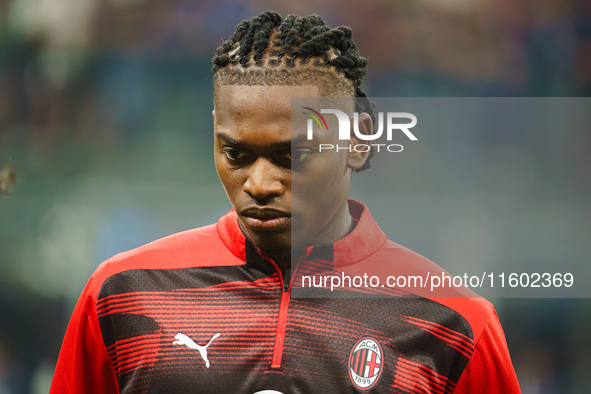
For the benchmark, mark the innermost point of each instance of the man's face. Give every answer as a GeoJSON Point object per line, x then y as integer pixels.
{"type": "Point", "coordinates": [273, 180]}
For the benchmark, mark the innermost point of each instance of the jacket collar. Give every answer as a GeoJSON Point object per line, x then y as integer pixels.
{"type": "Point", "coordinates": [365, 239]}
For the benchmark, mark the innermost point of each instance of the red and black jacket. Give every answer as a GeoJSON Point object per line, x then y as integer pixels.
{"type": "Point", "coordinates": [129, 330]}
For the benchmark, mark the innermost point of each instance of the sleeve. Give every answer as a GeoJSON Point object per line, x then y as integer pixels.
{"type": "Point", "coordinates": [83, 365]}
{"type": "Point", "coordinates": [489, 370]}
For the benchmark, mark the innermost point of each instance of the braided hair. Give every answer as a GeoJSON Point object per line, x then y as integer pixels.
{"type": "Point", "coordinates": [270, 49]}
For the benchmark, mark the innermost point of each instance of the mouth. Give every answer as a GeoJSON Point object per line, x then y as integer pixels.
{"type": "Point", "coordinates": [265, 218]}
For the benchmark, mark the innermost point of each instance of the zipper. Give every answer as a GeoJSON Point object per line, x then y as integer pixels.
{"type": "Point", "coordinates": [287, 281]}
{"type": "Point", "coordinates": [281, 320]}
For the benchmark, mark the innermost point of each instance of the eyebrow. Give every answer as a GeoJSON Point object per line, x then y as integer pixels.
{"type": "Point", "coordinates": [277, 144]}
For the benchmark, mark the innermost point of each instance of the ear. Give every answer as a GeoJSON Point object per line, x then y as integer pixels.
{"type": "Point", "coordinates": [357, 159]}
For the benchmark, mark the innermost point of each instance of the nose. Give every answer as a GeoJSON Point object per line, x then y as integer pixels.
{"type": "Point", "coordinates": [263, 180]}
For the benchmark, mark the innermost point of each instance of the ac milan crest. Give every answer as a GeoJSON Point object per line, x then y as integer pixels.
{"type": "Point", "coordinates": [366, 363]}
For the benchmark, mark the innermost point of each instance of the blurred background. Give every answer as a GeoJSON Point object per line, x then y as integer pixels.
{"type": "Point", "coordinates": [105, 115]}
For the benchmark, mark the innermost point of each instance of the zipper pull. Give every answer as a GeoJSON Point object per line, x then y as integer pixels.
{"type": "Point", "coordinates": [287, 280]}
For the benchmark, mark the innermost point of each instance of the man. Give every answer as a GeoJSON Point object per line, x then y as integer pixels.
{"type": "Point", "coordinates": [210, 309]}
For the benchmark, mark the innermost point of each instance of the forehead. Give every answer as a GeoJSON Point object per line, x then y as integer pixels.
{"type": "Point", "coordinates": [262, 101]}
{"type": "Point", "coordinates": [257, 114]}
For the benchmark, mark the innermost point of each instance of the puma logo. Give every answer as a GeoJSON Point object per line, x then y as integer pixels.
{"type": "Point", "coordinates": [182, 339]}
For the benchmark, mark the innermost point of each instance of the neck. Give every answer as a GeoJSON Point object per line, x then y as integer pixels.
{"type": "Point", "coordinates": [282, 259]}
{"type": "Point", "coordinates": [339, 228]}
{"type": "Point", "coordinates": [341, 225]}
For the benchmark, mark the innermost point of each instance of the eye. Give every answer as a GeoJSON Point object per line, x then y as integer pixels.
{"type": "Point", "coordinates": [234, 154]}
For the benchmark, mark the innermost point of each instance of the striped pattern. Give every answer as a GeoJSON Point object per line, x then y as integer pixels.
{"type": "Point", "coordinates": [459, 341]}
{"type": "Point", "coordinates": [366, 363]}
{"type": "Point", "coordinates": [243, 319]}
{"type": "Point", "coordinates": [412, 377]}
{"type": "Point", "coordinates": [139, 327]}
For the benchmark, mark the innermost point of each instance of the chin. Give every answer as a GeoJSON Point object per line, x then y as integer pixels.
{"type": "Point", "coordinates": [271, 243]}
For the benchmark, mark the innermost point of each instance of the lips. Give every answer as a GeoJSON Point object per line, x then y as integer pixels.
{"type": "Point", "coordinates": [264, 218]}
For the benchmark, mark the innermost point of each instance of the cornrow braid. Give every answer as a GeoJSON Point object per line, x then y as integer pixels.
{"type": "Point", "coordinates": [269, 40]}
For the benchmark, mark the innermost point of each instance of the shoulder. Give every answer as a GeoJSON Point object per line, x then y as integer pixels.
{"type": "Point", "coordinates": [403, 262]}
{"type": "Point", "coordinates": [199, 247]}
